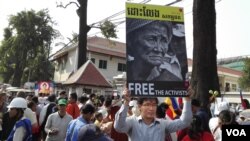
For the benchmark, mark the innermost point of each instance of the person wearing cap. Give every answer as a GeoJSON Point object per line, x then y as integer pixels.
{"type": "Point", "coordinates": [150, 55]}
{"type": "Point", "coordinates": [147, 127]}
{"type": "Point", "coordinates": [22, 127]}
{"type": "Point", "coordinates": [56, 125]}
{"type": "Point", "coordinates": [28, 112]}
{"type": "Point", "coordinates": [87, 112]}
{"type": "Point", "coordinates": [178, 44]}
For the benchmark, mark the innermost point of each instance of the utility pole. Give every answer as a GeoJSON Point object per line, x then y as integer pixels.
{"type": "Point", "coordinates": [83, 30]}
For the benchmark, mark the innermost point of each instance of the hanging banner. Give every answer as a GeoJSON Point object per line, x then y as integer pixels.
{"type": "Point", "coordinates": [156, 51]}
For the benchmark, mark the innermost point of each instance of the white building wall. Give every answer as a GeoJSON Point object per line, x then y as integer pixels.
{"type": "Point", "coordinates": [63, 72]}
{"type": "Point", "coordinates": [66, 67]}
{"type": "Point", "coordinates": [112, 65]}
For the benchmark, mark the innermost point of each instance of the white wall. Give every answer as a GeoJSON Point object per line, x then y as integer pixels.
{"type": "Point", "coordinates": [112, 65]}
{"type": "Point", "coordinates": [65, 70]}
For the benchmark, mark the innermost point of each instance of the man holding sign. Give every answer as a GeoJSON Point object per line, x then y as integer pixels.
{"type": "Point", "coordinates": [147, 127]}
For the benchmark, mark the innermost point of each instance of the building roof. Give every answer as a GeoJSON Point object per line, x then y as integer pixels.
{"type": "Point", "coordinates": [229, 70]}
{"type": "Point", "coordinates": [109, 44]}
{"type": "Point", "coordinates": [239, 65]}
{"type": "Point", "coordinates": [221, 69]}
{"type": "Point", "coordinates": [232, 59]}
{"type": "Point", "coordinates": [88, 75]}
{"type": "Point", "coordinates": [236, 63]}
{"type": "Point", "coordinates": [97, 45]}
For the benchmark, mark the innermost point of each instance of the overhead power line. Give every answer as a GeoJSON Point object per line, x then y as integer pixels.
{"type": "Point", "coordinates": [117, 14]}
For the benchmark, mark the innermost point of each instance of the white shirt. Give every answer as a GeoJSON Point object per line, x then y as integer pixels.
{"type": "Point", "coordinates": [56, 122]}
{"type": "Point", "coordinates": [90, 102]}
{"type": "Point", "coordinates": [216, 132]}
{"type": "Point", "coordinates": [137, 130]}
{"type": "Point", "coordinates": [30, 115]}
{"type": "Point", "coordinates": [43, 113]}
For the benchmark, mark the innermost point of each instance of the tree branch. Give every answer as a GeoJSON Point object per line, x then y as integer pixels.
{"type": "Point", "coordinates": [65, 6]}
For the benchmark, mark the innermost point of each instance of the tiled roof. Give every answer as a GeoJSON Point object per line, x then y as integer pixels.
{"type": "Point", "coordinates": [88, 75]}
{"type": "Point", "coordinates": [105, 46]}
{"type": "Point", "coordinates": [107, 52]}
{"type": "Point", "coordinates": [228, 70]}
{"type": "Point", "coordinates": [111, 44]}
{"type": "Point", "coordinates": [98, 45]}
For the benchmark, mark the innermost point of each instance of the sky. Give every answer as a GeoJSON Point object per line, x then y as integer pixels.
{"type": "Point", "coordinates": [232, 21]}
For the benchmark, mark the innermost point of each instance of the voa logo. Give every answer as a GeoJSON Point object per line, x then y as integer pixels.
{"type": "Point", "coordinates": [236, 132]}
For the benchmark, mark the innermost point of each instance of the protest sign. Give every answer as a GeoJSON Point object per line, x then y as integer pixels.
{"type": "Point", "coordinates": [156, 50]}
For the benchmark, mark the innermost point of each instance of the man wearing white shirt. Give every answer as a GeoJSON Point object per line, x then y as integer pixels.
{"type": "Point", "coordinates": [146, 127]}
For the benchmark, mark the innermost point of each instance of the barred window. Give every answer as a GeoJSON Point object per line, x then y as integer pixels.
{"type": "Point", "coordinates": [102, 64]}
{"type": "Point", "coordinates": [121, 67]}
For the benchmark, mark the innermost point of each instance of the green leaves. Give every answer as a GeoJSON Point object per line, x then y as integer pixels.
{"type": "Point", "coordinates": [244, 81]}
{"type": "Point", "coordinates": [26, 44]}
{"type": "Point", "coordinates": [108, 29]}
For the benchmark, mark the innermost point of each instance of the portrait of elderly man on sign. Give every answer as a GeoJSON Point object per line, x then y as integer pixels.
{"type": "Point", "coordinates": [150, 54]}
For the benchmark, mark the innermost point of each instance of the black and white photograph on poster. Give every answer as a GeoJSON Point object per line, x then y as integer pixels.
{"type": "Point", "coordinates": [156, 57]}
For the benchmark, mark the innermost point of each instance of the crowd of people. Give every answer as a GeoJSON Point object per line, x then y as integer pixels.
{"type": "Point", "coordinates": [90, 117]}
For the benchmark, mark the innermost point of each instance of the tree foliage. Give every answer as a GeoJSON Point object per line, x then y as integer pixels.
{"type": "Point", "coordinates": [244, 81]}
{"type": "Point", "coordinates": [108, 29]}
{"type": "Point", "coordinates": [26, 45]}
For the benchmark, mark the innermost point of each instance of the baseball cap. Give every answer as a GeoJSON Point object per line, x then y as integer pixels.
{"type": "Point", "coordinates": [62, 102]}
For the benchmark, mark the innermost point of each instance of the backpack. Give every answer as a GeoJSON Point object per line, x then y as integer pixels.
{"type": "Point", "coordinates": [27, 125]}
